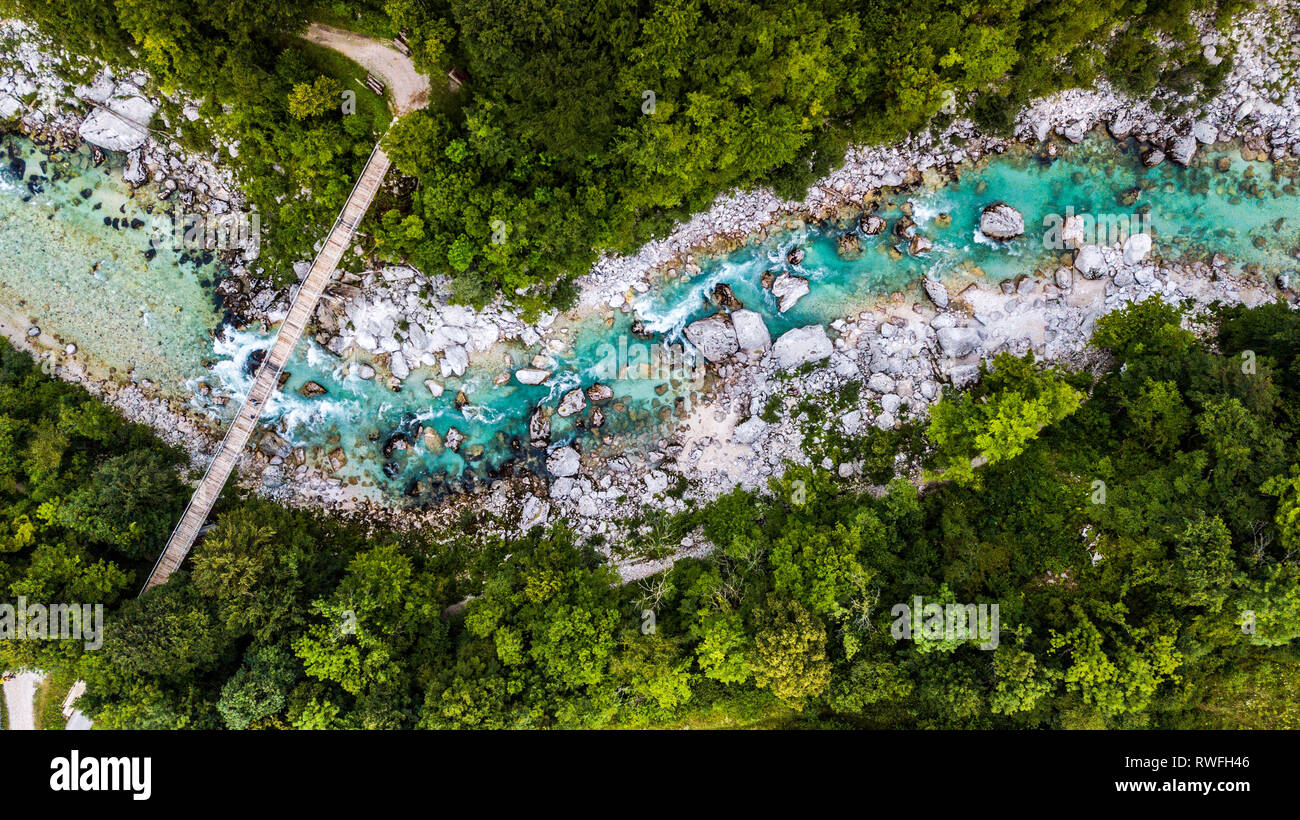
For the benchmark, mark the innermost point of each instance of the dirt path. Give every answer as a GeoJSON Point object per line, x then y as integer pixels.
{"type": "Point", "coordinates": [20, 700]}
{"type": "Point", "coordinates": [409, 89]}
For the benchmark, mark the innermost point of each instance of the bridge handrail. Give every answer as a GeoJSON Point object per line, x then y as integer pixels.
{"type": "Point", "coordinates": [262, 367]}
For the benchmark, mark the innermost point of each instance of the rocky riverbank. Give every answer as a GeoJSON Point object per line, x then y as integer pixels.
{"type": "Point", "coordinates": [63, 101]}
{"type": "Point", "coordinates": [903, 350]}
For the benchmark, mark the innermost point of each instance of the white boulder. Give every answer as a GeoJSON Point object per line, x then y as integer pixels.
{"type": "Point", "coordinates": [714, 337]}
{"type": "Point", "coordinates": [1000, 221]}
{"type": "Point", "coordinates": [802, 344]}
{"type": "Point", "coordinates": [1136, 248]}
{"type": "Point", "coordinates": [563, 461]}
{"type": "Point", "coordinates": [789, 289]}
{"type": "Point", "coordinates": [532, 375]}
{"type": "Point", "coordinates": [122, 125]}
{"type": "Point", "coordinates": [572, 403]}
{"type": "Point", "coordinates": [751, 332]}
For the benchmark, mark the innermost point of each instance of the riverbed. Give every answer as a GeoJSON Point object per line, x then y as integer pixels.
{"type": "Point", "coordinates": [77, 266]}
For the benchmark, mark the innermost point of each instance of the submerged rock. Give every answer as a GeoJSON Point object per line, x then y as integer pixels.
{"type": "Point", "coordinates": [1001, 222]}
{"type": "Point", "coordinates": [795, 256]}
{"type": "Point", "coordinates": [726, 297]}
{"type": "Point", "coordinates": [432, 441]}
{"type": "Point", "coordinates": [599, 393]}
{"type": "Point", "coordinates": [848, 246]}
{"type": "Point", "coordinates": [1129, 196]}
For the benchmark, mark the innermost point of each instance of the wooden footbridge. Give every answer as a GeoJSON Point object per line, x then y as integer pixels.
{"type": "Point", "coordinates": [268, 374]}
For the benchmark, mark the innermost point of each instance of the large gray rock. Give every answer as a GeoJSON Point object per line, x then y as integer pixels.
{"type": "Point", "coordinates": [1182, 149]}
{"type": "Point", "coordinates": [714, 337]}
{"type": "Point", "coordinates": [572, 403]}
{"type": "Point", "coordinates": [122, 127]}
{"type": "Point", "coordinates": [935, 290]}
{"type": "Point", "coordinates": [1136, 248]}
{"type": "Point", "coordinates": [532, 375]}
{"type": "Point", "coordinates": [750, 429]}
{"type": "Point", "coordinates": [1000, 221]}
{"type": "Point", "coordinates": [397, 364]}
{"type": "Point", "coordinates": [563, 461]}
{"type": "Point", "coordinates": [880, 382]}
{"type": "Point", "coordinates": [454, 361]}
{"type": "Point", "coordinates": [789, 289]}
{"type": "Point", "coordinates": [959, 342]}
{"type": "Point", "coordinates": [534, 514]}
{"type": "Point", "coordinates": [1121, 125]}
{"type": "Point", "coordinates": [803, 344]}
{"type": "Point", "coordinates": [135, 173]}
{"type": "Point", "coordinates": [751, 332]}
{"type": "Point", "coordinates": [1064, 278]}
{"type": "Point", "coordinates": [1089, 262]}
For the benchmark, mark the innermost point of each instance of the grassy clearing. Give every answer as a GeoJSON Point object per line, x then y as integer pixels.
{"type": "Point", "coordinates": [369, 104]}
{"type": "Point", "coordinates": [49, 700]}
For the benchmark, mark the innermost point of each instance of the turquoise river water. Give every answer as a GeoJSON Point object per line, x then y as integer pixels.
{"type": "Point", "coordinates": [75, 259]}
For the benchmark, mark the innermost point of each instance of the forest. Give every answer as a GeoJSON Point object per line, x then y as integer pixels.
{"type": "Point", "coordinates": [1137, 524]}
{"type": "Point", "coordinates": [590, 126]}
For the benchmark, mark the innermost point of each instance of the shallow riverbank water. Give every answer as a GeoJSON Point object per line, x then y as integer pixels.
{"type": "Point", "coordinates": [76, 261]}
{"type": "Point", "coordinates": [158, 315]}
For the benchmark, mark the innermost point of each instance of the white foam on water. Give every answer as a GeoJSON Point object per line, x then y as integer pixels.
{"type": "Point", "coordinates": [925, 209]}
{"type": "Point", "coordinates": [481, 413]}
